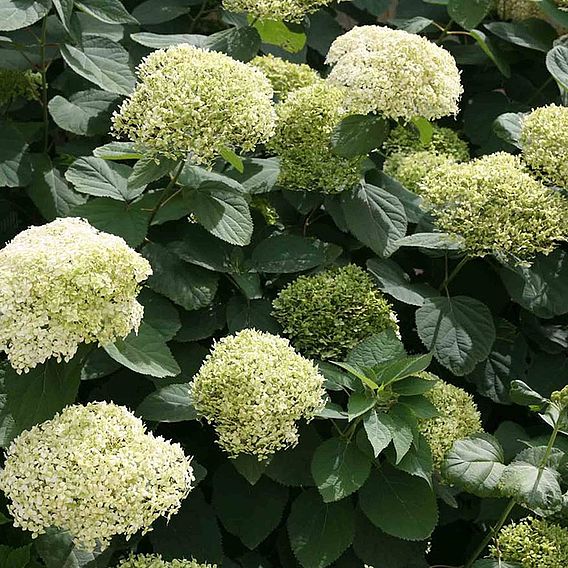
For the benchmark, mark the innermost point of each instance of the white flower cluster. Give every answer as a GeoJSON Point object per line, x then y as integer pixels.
{"type": "Point", "coordinates": [94, 471]}
{"type": "Point", "coordinates": [393, 72]}
{"type": "Point", "coordinates": [287, 10]}
{"type": "Point", "coordinates": [63, 284]}
{"type": "Point", "coordinates": [155, 561]}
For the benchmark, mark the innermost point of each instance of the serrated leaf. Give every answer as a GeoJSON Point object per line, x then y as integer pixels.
{"type": "Point", "coordinates": [431, 241]}
{"type": "Point", "coordinates": [290, 37]}
{"type": "Point", "coordinates": [259, 175]}
{"type": "Point", "coordinates": [339, 469]}
{"type": "Point", "coordinates": [240, 43]}
{"type": "Point", "coordinates": [469, 13]}
{"type": "Point", "coordinates": [117, 151]}
{"type": "Point", "coordinates": [21, 14]}
{"type": "Point", "coordinates": [532, 33]}
{"type": "Point", "coordinates": [522, 394]}
{"type": "Point", "coordinates": [401, 423]}
{"type": "Point", "coordinates": [153, 12]}
{"type": "Point", "coordinates": [458, 330]}
{"type": "Point", "coordinates": [376, 349]}
{"type": "Point", "coordinates": [145, 352]}
{"type": "Point", "coordinates": [103, 62]}
{"type": "Point", "coordinates": [171, 403]}
{"type": "Point", "coordinates": [108, 11]}
{"type": "Point", "coordinates": [508, 127]}
{"type": "Point", "coordinates": [475, 464]}
{"type": "Point", "coordinates": [162, 41]}
{"type": "Point", "coordinates": [319, 532]}
{"type": "Point", "coordinates": [557, 64]}
{"type": "Point", "coordinates": [249, 467]}
{"type": "Point", "coordinates": [397, 369]}
{"type": "Point", "coordinates": [399, 504]}
{"type": "Point", "coordinates": [378, 428]}
{"type": "Point", "coordinates": [252, 314]}
{"type": "Point", "coordinates": [15, 168]}
{"type": "Point", "coordinates": [357, 135]}
{"type": "Point", "coordinates": [417, 461]}
{"type": "Point", "coordinates": [250, 512]}
{"type": "Point", "coordinates": [359, 403]}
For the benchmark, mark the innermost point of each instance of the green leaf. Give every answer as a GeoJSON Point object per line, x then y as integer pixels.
{"type": "Point", "coordinates": [320, 532]}
{"type": "Point", "coordinates": [40, 393]}
{"type": "Point", "coordinates": [532, 34]}
{"type": "Point", "coordinates": [554, 12]}
{"type": "Point", "coordinates": [508, 127]}
{"type": "Point", "coordinates": [458, 330]}
{"type": "Point", "coordinates": [253, 314]}
{"type": "Point", "coordinates": [171, 403]}
{"type": "Point", "coordinates": [359, 403]}
{"type": "Point", "coordinates": [49, 190]}
{"type": "Point", "coordinates": [128, 221]}
{"type": "Point", "coordinates": [375, 217]}
{"type": "Point", "coordinates": [145, 352]}
{"type": "Point", "coordinates": [339, 468]}
{"type": "Point", "coordinates": [223, 213]}
{"type": "Point", "coordinates": [188, 286]}
{"type": "Point", "coordinates": [431, 241]}
{"type": "Point", "coordinates": [392, 280]}
{"type": "Point", "coordinates": [412, 386]}
{"type": "Point", "coordinates": [250, 512]}
{"type": "Point", "coordinates": [376, 349]}
{"type": "Point", "coordinates": [153, 12]}
{"type": "Point", "coordinates": [358, 134]}
{"type": "Point", "coordinates": [489, 49]}
{"type": "Point", "coordinates": [425, 129]}
{"type": "Point", "coordinates": [290, 37]}
{"type": "Point", "coordinates": [417, 461]}
{"type": "Point", "coordinates": [401, 423]}
{"type": "Point", "coordinates": [147, 170]}
{"type": "Point", "coordinates": [103, 62]}
{"type": "Point", "coordinates": [14, 557]}
{"type": "Point", "coordinates": [469, 13]}
{"type": "Point", "coordinates": [397, 369]}
{"type": "Point", "coordinates": [161, 41]}
{"type": "Point", "coordinates": [117, 151]}
{"type": "Point", "coordinates": [232, 158]}
{"type": "Point", "coordinates": [541, 288]}
{"type": "Point", "coordinates": [378, 428]}
{"type": "Point", "coordinates": [284, 254]}
{"type": "Point", "coordinates": [240, 43]}
{"type": "Point", "coordinates": [201, 324]}
{"type": "Point", "coordinates": [523, 395]}
{"type": "Point", "coordinates": [475, 464]}
{"type": "Point", "coordinates": [193, 532]}
{"type": "Point", "coordinates": [399, 504]}
{"type": "Point", "coordinates": [17, 14]}
{"type": "Point", "coordinates": [15, 167]}
{"type": "Point", "coordinates": [108, 11]}
{"type": "Point", "coordinates": [86, 113]}
{"type": "Point", "coordinates": [95, 176]}
{"type": "Point", "coordinates": [64, 9]}
{"type": "Point", "coordinates": [249, 467]}
{"type": "Point", "coordinates": [259, 175]}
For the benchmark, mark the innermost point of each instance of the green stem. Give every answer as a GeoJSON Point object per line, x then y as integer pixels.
{"type": "Point", "coordinates": [44, 86]}
{"type": "Point", "coordinates": [198, 16]}
{"type": "Point", "coordinates": [454, 273]}
{"type": "Point", "coordinates": [167, 191]}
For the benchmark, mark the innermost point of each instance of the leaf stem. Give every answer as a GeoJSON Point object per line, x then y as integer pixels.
{"type": "Point", "coordinates": [166, 192]}
{"type": "Point", "coordinates": [454, 273]}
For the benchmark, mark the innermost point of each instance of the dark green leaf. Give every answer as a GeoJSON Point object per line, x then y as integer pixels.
{"type": "Point", "coordinates": [358, 134]}
{"type": "Point", "coordinates": [376, 349]}
{"type": "Point", "coordinates": [168, 404]}
{"type": "Point", "coordinates": [359, 403]}
{"type": "Point", "coordinates": [532, 34]}
{"type": "Point", "coordinates": [417, 461]}
{"type": "Point", "coordinates": [16, 14]}
{"type": "Point", "coordinates": [378, 428]}
{"type": "Point", "coordinates": [397, 369]}
{"type": "Point", "coordinates": [259, 175]}
{"type": "Point", "coordinates": [254, 314]}
{"type": "Point", "coordinates": [469, 13]}
{"type": "Point", "coordinates": [522, 394]}
{"type": "Point", "coordinates": [15, 167]}
{"type": "Point", "coordinates": [108, 11]}
{"type": "Point", "coordinates": [508, 127]}
{"type": "Point", "coordinates": [117, 151]}
{"type": "Point", "coordinates": [433, 241]}
{"type": "Point", "coordinates": [240, 43]}
{"type": "Point", "coordinates": [249, 467]}
{"type": "Point", "coordinates": [491, 51]}
{"type": "Point", "coordinates": [153, 12]}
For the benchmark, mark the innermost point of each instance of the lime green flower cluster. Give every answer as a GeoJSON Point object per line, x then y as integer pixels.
{"type": "Point", "coordinates": [254, 388]}
{"type": "Point", "coordinates": [327, 314]}
{"type": "Point", "coordinates": [497, 207]}
{"type": "Point", "coordinates": [393, 72]}
{"type": "Point", "coordinates": [444, 141]}
{"type": "Point", "coordinates": [517, 9]}
{"type": "Point", "coordinates": [287, 10]}
{"type": "Point", "coordinates": [532, 543]}
{"type": "Point", "coordinates": [63, 284]}
{"type": "Point", "coordinates": [560, 398]}
{"type": "Point", "coordinates": [458, 418]}
{"type": "Point", "coordinates": [155, 561]}
{"type": "Point", "coordinates": [94, 471]}
{"type": "Point", "coordinates": [306, 120]}
{"type": "Point", "coordinates": [285, 76]}
{"type": "Point", "coordinates": [15, 83]}
{"type": "Point", "coordinates": [544, 138]}
{"type": "Point", "coordinates": [189, 100]}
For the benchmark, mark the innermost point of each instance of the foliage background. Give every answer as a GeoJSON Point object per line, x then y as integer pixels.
{"type": "Point", "coordinates": [210, 281]}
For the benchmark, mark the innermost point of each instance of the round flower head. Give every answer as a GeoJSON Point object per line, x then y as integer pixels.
{"type": "Point", "coordinates": [410, 169]}
{"type": "Point", "coordinates": [327, 314]}
{"type": "Point", "coordinates": [155, 561]}
{"type": "Point", "coordinates": [254, 388]}
{"type": "Point", "coordinates": [306, 120]}
{"type": "Point", "coordinates": [285, 76]}
{"type": "Point", "coordinates": [287, 10]}
{"type": "Point", "coordinates": [544, 138]}
{"type": "Point", "coordinates": [399, 74]}
{"type": "Point", "coordinates": [15, 83]}
{"type": "Point", "coordinates": [94, 471]}
{"type": "Point", "coordinates": [517, 9]}
{"type": "Point", "coordinates": [444, 142]}
{"type": "Point", "coordinates": [63, 284]}
{"type": "Point", "coordinates": [189, 100]}
{"type": "Point", "coordinates": [369, 38]}
{"type": "Point", "coordinates": [532, 543]}
{"type": "Point", "coordinates": [458, 418]}
{"type": "Point", "coordinates": [497, 207]}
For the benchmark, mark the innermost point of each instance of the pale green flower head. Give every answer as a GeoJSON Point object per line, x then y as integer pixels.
{"type": "Point", "coordinates": [410, 168]}
{"type": "Point", "coordinates": [254, 388]}
{"type": "Point", "coordinates": [192, 101]}
{"type": "Point", "coordinates": [544, 139]}
{"type": "Point", "coordinates": [94, 471]}
{"type": "Point", "coordinates": [393, 72]}
{"type": "Point", "coordinates": [155, 561]}
{"type": "Point", "coordinates": [458, 418]}
{"type": "Point", "coordinates": [444, 141]}
{"type": "Point", "coordinates": [63, 284]}
{"type": "Point", "coordinates": [287, 10]}
{"type": "Point", "coordinates": [497, 207]}
{"type": "Point", "coordinates": [517, 9]}
{"type": "Point", "coordinates": [15, 83]}
{"type": "Point", "coordinates": [306, 120]}
{"type": "Point", "coordinates": [285, 76]}
{"type": "Point", "coordinates": [532, 543]}
{"type": "Point", "coordinates": [327, 314]}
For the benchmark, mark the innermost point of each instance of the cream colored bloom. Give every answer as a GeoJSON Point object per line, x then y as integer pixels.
{"type": "Point", "coordinates": [94, 471]}
{"type": "Point", "coordinates": [544, 138]}
{"type": "Point", "coordinates": [410, 169]}
{"type": "Point", "coordinates": [393, 72]}
{"type": "Point", "coordinates": [254, 388]}
{"type": "Point", "coordinates": [155, 561]}
{"type": "Point", "coordinates": [192, 101]}
{"type": "Point", "coordinates": [287, 10]}
{"type": "Point", "coordinates": [63, 284]}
